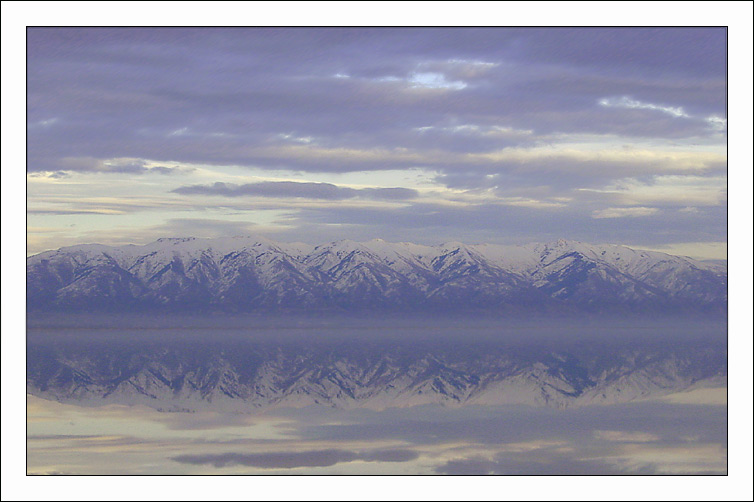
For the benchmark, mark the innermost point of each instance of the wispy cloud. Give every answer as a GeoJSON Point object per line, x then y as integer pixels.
{"type": "Point", "coordinates": [43, 123]}
{"type": "Point", "coordinates": [123, 165]}
{"type": "Point", "coordinates": [624, 212]}
{"type": "Point", "coordinates": [626, 102]}
{"type": "Point", "coordinates": [626, 436]}
{"type": "Point", "coordinates": [326, 191]}
{"type": "Point", "coordinates": [434, 81]}
{"type": "Point", "coordinates": [715, 122]}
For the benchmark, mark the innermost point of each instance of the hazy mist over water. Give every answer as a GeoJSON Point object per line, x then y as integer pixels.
{"type": "Point", "coordinates": [395, 327]}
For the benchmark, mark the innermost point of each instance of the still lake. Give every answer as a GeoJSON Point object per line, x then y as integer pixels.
{"type": "Point", "coordinates": [248, 395]}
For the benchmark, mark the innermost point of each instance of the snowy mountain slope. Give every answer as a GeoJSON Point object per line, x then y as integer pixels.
{"type": "Point", "coordinates": [250, 273]}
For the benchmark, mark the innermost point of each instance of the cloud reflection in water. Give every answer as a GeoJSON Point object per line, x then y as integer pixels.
{"type": "Point", "coordinates": [650, 437]}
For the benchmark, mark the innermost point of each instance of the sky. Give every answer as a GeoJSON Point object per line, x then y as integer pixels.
{"type": "Point", "coordinates": [427, 135]}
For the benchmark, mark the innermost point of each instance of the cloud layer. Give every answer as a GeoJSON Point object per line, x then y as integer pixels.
{"type": "Point", "coordinates": [325, 191]}
{"type": "Point", "coordinates": [602, 123]}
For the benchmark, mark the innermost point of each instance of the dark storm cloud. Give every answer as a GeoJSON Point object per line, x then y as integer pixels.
{"type": "Point", "coordinates": [325, 191]}
{"type": "Point", "coordinates": [219, 95]}
{"type": "Point", "coordinates": [291, 460]}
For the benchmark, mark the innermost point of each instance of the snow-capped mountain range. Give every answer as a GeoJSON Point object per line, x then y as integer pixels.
{"type": "Point", "coordinates": [255, 274]}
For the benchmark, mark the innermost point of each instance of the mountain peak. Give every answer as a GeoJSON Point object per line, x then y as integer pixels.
{"type": "Point", "coordinates": [252, 273]}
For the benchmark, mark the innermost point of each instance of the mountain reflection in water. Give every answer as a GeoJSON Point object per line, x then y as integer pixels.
{"type": "Point", "coordinates": [401, 398]}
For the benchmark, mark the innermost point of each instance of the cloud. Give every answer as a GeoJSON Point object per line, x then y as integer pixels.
{"type": "Point", "coordinates": [43, 123]}
{"type": "Point", "coordinates": [626, 102]}
{"type": "Point", "coordinates": [624, 212]}
{"type": "Point", "coordinates": [626, 436]}
{"type": "Point", "coordinates": [62, 212]}
{"type": "Point", "coordinates": [717, 123]}
{"type": "Point", "coordinates": [680, 191]}
{"type": "Point", "coordinates": [714, 122]}
{"type": "Point", "coordinates": [433, 223]}
{"type": "Point", "coordinates": [468, 69]}
{"type": "Point", "coordinates": [533, 162]}
{"type": "Point", "coordinates": [45, 437]}
{"type": "Point", "coordinates": [49, 174]}
{"type": "Point", "coordinates": [292, 460]}
{"type": "Point", "coordinates": [272, 84]}
{"type": "Point", "coordinates": [510, 115]}
{"type": "Point", "coordinates": [390, 193]}
{"type": "Point", "coordinates": [426, 220]}
{"type": "Point", "coordinates": [490, 134]}
{"type": "Point", "coordinates": [325, 191]}
{"type": "Point", "coordinates": [430, 75]}
{"type": "Point", "coordinates": [162, 170]}
{"type": "Point", "coordinates": [434, 81]}
{"type": "Point", "coordinates": [62, 167]}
